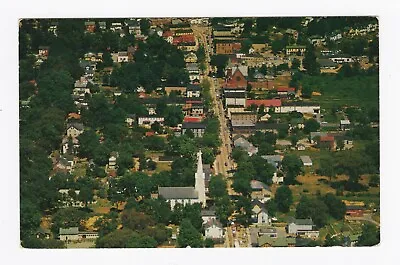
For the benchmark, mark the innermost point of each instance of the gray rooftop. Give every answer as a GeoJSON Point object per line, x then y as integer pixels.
{"type": "Point", "coordinates": [305, 159]}
{"type": "Point", "coordinates": [177, 192]}
{"type": "Point", "coordinates": [69, 231]}
{"type": "Point", "coordinates": [193, 125]}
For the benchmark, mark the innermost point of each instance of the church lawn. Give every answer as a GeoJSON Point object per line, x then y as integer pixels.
{"type": "Point", "coordinates": [163, 166]}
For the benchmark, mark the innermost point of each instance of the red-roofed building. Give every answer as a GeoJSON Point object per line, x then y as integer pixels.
{"type": "Point", "coordinates": [178, 40]}
{"type": "Point", "coordinates": [142, 95]}
{"type": "Point", "coordinates": [235, 80]}
{"type": "Point", "coordinates": [286, 90]}
{"type": "Point", "coordinates": [149, 134]}
{"type": "Point", "coordinates": [168, 36]}
{"type": "Point", "coordinates": [265, 102]}
{"type": "Point", "coordinates": [74, 115]}
{"type": "Point", "coordinates": [327, 141]}
{"type": "Point", "coordinates": [192, 119]}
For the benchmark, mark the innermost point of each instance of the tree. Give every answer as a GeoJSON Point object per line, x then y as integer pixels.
{"type": "Point", "coordinates": [217, 187]}
{"type": "Point", "coordinates": [33, 242]}
{"type": "Point", "coordinates": [135, 221]}
{"type": "Point", "coordinates": [331, 241]}
{"type": "Point", "coordinates": [86, 194]}
{"type": "Point", "coordinates": [224, 209]}
{"type": "Point", "coordinates": [313, 208]}
{"type": "Point", "coordinates": [292, 165]}
{"type": "Point", "coordinates": [327, 167]}
{"type": "Point", "coordinates": [141, 241]}
{"type": "Point", "coordinates": [295, 63]}
{"type": "Point", "coordinates": [67, 217]}
{"type": "Point", "coordinates": [173, 115]}
{"type": "Point", "coordinates": [337, 209]}
{"type": "Point", "coordinates": [370, 235]}
{"type": "Point", "coordinates": [116, 239]}
{"type": "Point", "coordinates": [30, 218]}
{"type": "Point", "coordinates": [208, 243]}
{"type": "Point", "coordinates": [188, 235]}
{"type": "Point", "coordinates": [272, 207]}
{"type": "Point", "coordinates": [310, 61]}
{"type": "Point", "coordinates": [144, 26]}
{"type": "Point", "coordinates": [311, 125]}
{"type": "Point", "coordinates": [242, 185]}
{"type": "Point", "coordinates": [283, 198]}
{"type": "Point", "coordinates": [374, 180]}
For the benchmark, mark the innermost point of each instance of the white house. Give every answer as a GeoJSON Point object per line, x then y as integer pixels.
{"type": "Point", "coordinates": [341, 58]}
{"type": "Point", "coordinates": [208, 215]}
{"type": "Point", "coordinates": [73, 234]}
{"type": "Point", "coordinates": [149, 120]}
{"type": "Point", "coordinates": [235, 98]}
{"type": "Point", "coordinates": [122, 57]}
{"type": "Point", "coordinates": [74, 129]}
{"type": "Point", "coordinates": [259, 213]}
{"type": "Point", "coordinates": [277, 179]}
{"type": "Point", "coordinates": [193, 91]}
{"type": "Point", "coordinates": [213, 229]}
{"type": "Point", "coordinates": [302, 227]}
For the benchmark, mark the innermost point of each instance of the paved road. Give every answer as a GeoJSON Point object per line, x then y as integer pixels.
{"type": "Point", "coordinates": [366, 217]}
{"type": "Point", "coordinates": [222, 163]}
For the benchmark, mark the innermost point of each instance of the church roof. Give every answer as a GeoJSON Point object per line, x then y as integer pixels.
{"type": "Point", "coordinates": [177, 192]}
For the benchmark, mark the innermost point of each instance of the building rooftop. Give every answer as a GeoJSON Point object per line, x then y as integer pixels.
{"type": "Point", "coordinates": [177, 192]}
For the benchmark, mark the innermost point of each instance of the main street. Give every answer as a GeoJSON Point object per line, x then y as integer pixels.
{"type": "Point", "coordinates": [223, 161]}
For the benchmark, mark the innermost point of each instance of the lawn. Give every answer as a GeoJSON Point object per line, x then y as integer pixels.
{"type": "Point", "coordinates": [351, 91]}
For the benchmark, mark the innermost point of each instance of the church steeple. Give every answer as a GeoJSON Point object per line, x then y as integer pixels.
{"type": "Point", "coordinates": [200, 184]}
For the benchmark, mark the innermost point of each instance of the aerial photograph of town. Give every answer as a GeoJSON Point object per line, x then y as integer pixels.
{"type": "Point", "coordinates": [199, 132]}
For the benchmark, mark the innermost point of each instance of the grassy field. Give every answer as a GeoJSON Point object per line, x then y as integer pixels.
{"type": "Point", "coordinates": [352, 91]}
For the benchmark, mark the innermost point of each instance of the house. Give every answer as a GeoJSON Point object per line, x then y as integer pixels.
{"type": "Point", "coordinates": [112, 161]}
{"type": "Point", "coordinates": [102, 25]}
{"type": "Point", "coordinates": [198, 128]}
{"type": "Point", "coordinates": [207, 215]}
{"type": "Point", "coordinates": [122, 57]}
{"type": "Point", "coordinates": [43, 52]}
{"type": "Point", "coordinates": [190, 57]}
{"type": "Point", "coordinates": [306, 161]}
{"type": "Point", "coordinates": [243, 118]}
{"type": "Point", "coordinates": [74, 129]}
{"type": "Point", "coordinates": [295, 49]}
{"type": "Point", "coordinates": [193, 91]}
{"type": "Point", "coordinates": [116, 26]}
{"type": "Point", "coordinates": [227, 47]}
{"type": "Point", "coordinates": [244, 69]}
{"type": "Point", "coordinates": [341, 58]}
{"type": "Point", "coordinates": [53, 28]}
{"type": "Point", "coordinates": [286, 91]}
{"type": "Point", "coordinates": [90, 26]}
{"type": "Point", "coordinates": [327, 64]}
{"type": "Point", "coordinates": [275, 160]}
{"type": "Point", "coordinates": [302, 227]}
{"type": "Point", "coordinates": [169, 37]}
{"type": "Point", "coordinates": [213, 229]}
{"type": "Point", "coordinates": [42, 233]}
{"type": "Point", "coordinates": [260, 191]}
{"type": "Point", "coordinates": [133, 27]}
{"type": "Point", "coordinates": [327, 141]}
{"type": "Point", "coordinates": [130, 120]}
{"type": "Point", "coordinates": [235, 98]}
{"type": "Point", "coordinates": [149, 120]}
{"type": "Point", "coordinates": [241, 142]}
{"type": "Point", "coordinates": [66, 200]}
{"type": "Point", "coordinates": [317, 40]}
{"type": "Point", "coordinates": [73, 234]}
{"type": "Point", "coordinates": [345, 125]}
{"type": "Point", "coordinates": [69, 234]}
{"type": "Point", "coordinates": [194, 72]}
{"type": "Point", "coordinates": [300, 147]}
{"type": "Point", "coordinates": [355, 210]}
{"type": "Point", "coordinates": [187, 195]}
{"type": "Point", "coordinates": [269, 104]}
{"type": "Point", "coordinates": [259, 213]}
{"type": "Point", "coordinates": [70, 145]}
{"type": "Point", "coordinates": [179, 89]}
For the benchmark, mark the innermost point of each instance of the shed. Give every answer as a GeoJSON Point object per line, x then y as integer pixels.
{"type": "Point", "coordinates": [306, 161]}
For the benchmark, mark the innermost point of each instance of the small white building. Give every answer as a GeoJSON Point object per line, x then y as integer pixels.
{"type": "Point", "coordinates": [122, 57]}
{"type": "Point", "coordinates": [213, 229]}
{"type": "Point", "coordinates": [307, 162]}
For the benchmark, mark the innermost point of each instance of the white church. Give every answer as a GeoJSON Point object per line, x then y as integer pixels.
{"type": "Point", "coordinates": [187, 195]}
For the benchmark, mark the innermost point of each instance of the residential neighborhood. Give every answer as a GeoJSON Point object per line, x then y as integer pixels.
{"type": "Point", "coordinates": [199, 132]}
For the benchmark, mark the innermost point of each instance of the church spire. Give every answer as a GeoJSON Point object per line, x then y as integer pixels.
{"type": "Point", "coordinates": [200, 181]}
